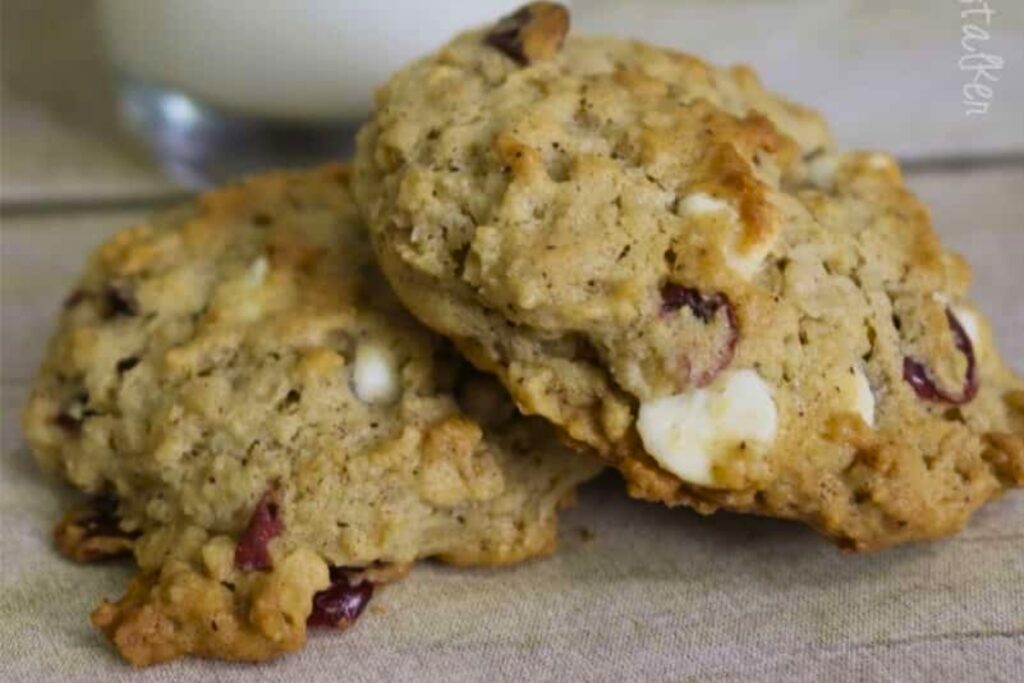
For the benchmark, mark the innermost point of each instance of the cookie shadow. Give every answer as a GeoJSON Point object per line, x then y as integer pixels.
{"type": "Point", "coordinates": [615, 536]}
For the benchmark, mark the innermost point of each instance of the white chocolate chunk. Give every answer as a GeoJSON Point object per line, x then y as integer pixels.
{"type": "Point", "coordinates": [821, 171]}
{"type": "Point", "coordinates": [374, 375]}
{"type": "Point", "coordinates": [690, 433]}
{"type": "Point", "coordinates": [701, 204]}
{"type": "Point", "coordinates": [880, 161]}
{"type": "Point", "coordinates": [75, 411]}
{"type": "Point", "coordinates": [240, 298]}
{"type": "Point", "coordinates": [972, 327]}
{"type": "Point", "coordinates": [856, 395]}
{"type": "Point", "coordinates": [257, 272]}
{"type": "Point", "coordinates": [745, 263]}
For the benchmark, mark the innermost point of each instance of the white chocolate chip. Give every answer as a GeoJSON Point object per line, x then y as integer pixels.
{"type": "Point", "coordinates": [75, 411]}
{"type": "Point", "coordinates": [374, 376]}
{"type": "Point", "coordinates": [701, 203]}
{"type": "Point", "coordinates": [972, 326]}
{"type": "Point", "coordinates": [880, 161]}
{"type": "Point", "coordinates": [257, 272]}
{"type": "Point", "coordinates": [690, 433]}
{"type": "Point", "coordinates": [821, 171]}
{"type": "Point", "coordinates": [240, 298]}
{"type": "Point", "coordinates": [856, 395]}
{"type": "Point", "coordinates": [745, 263]}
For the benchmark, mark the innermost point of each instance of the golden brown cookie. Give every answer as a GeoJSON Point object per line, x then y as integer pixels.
{"type": "Point", "coordinates": [238, 375]}
{"type": "Point", "coordinates": [679, 270]}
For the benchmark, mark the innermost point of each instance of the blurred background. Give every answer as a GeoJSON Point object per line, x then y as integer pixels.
{"type": "Point", "coordinates": [888, 75]}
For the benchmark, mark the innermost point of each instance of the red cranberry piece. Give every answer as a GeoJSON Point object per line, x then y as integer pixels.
{"type": "Point", "coordinates": [102, 516]}
{"type": "Point", "coordinates": [265, 523]}
{"type": "Point", "coordinates": [724, 358]}
{"type": "Point", "coordinates": [924, 385]}
{"type": "Point", "coordinates": [120, 299]}
{"type": "Point", "coordinates": [126, 364]}
{"type": "Point", "coordinates": [68, 423]}
{"type": "Point", "coordinates": [705, 307]}
{"type": "Point", "coordinates": [340, 604]}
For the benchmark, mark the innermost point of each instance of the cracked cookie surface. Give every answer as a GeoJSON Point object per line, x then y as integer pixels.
{"type": "Point", "coordinates": [239, 376]}
{"type": "Point", "coordinates": [680, 270]}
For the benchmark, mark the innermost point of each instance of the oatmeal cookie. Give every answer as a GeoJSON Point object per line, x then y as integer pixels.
{"type": "Point", "coordinates": [682, 272]}
{"type": "Point", "coordinates": [240, 378]}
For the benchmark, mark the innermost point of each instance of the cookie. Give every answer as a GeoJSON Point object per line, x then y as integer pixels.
{"type": "Point", "coordinates": [683, 273]}
{"type": "Point", "coordinates": [237, 374]}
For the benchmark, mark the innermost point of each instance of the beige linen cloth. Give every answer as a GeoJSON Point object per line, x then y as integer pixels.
{"type": "Point", "coordinates": [636, 592]}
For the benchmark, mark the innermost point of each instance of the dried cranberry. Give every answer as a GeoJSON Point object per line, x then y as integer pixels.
{"type": "Point", "coordinates": [68, 423]}
{"type": "Point", "coordinates": [126, 364]}
{"type": "Point", "coordinates": [924, 385]}
{"type": "Point", "coordinates": [339, 605]}
{"type": "Point", "coordinates": [252, 551]}
{"type": "Point", "coordinates": [705, 307]}
{"type": "Point", "coordinates": [102, 516]}
{"type": "Point", "coordinates": [505, 34]}
{"type": "Point", "coordinates": [120, 299]}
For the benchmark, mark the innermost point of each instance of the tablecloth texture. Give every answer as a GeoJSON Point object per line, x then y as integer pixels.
{"type": "Point", "coordinates": [636, 592]}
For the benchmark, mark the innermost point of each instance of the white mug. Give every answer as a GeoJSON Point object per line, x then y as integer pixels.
{"type": "Point", "coordinates": [298, 60]}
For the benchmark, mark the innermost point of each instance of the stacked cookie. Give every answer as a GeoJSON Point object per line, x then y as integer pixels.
{"type": "Point", "coordinates": [610, 253]}
{"type": "Point", "coordinates": [279, 434]}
